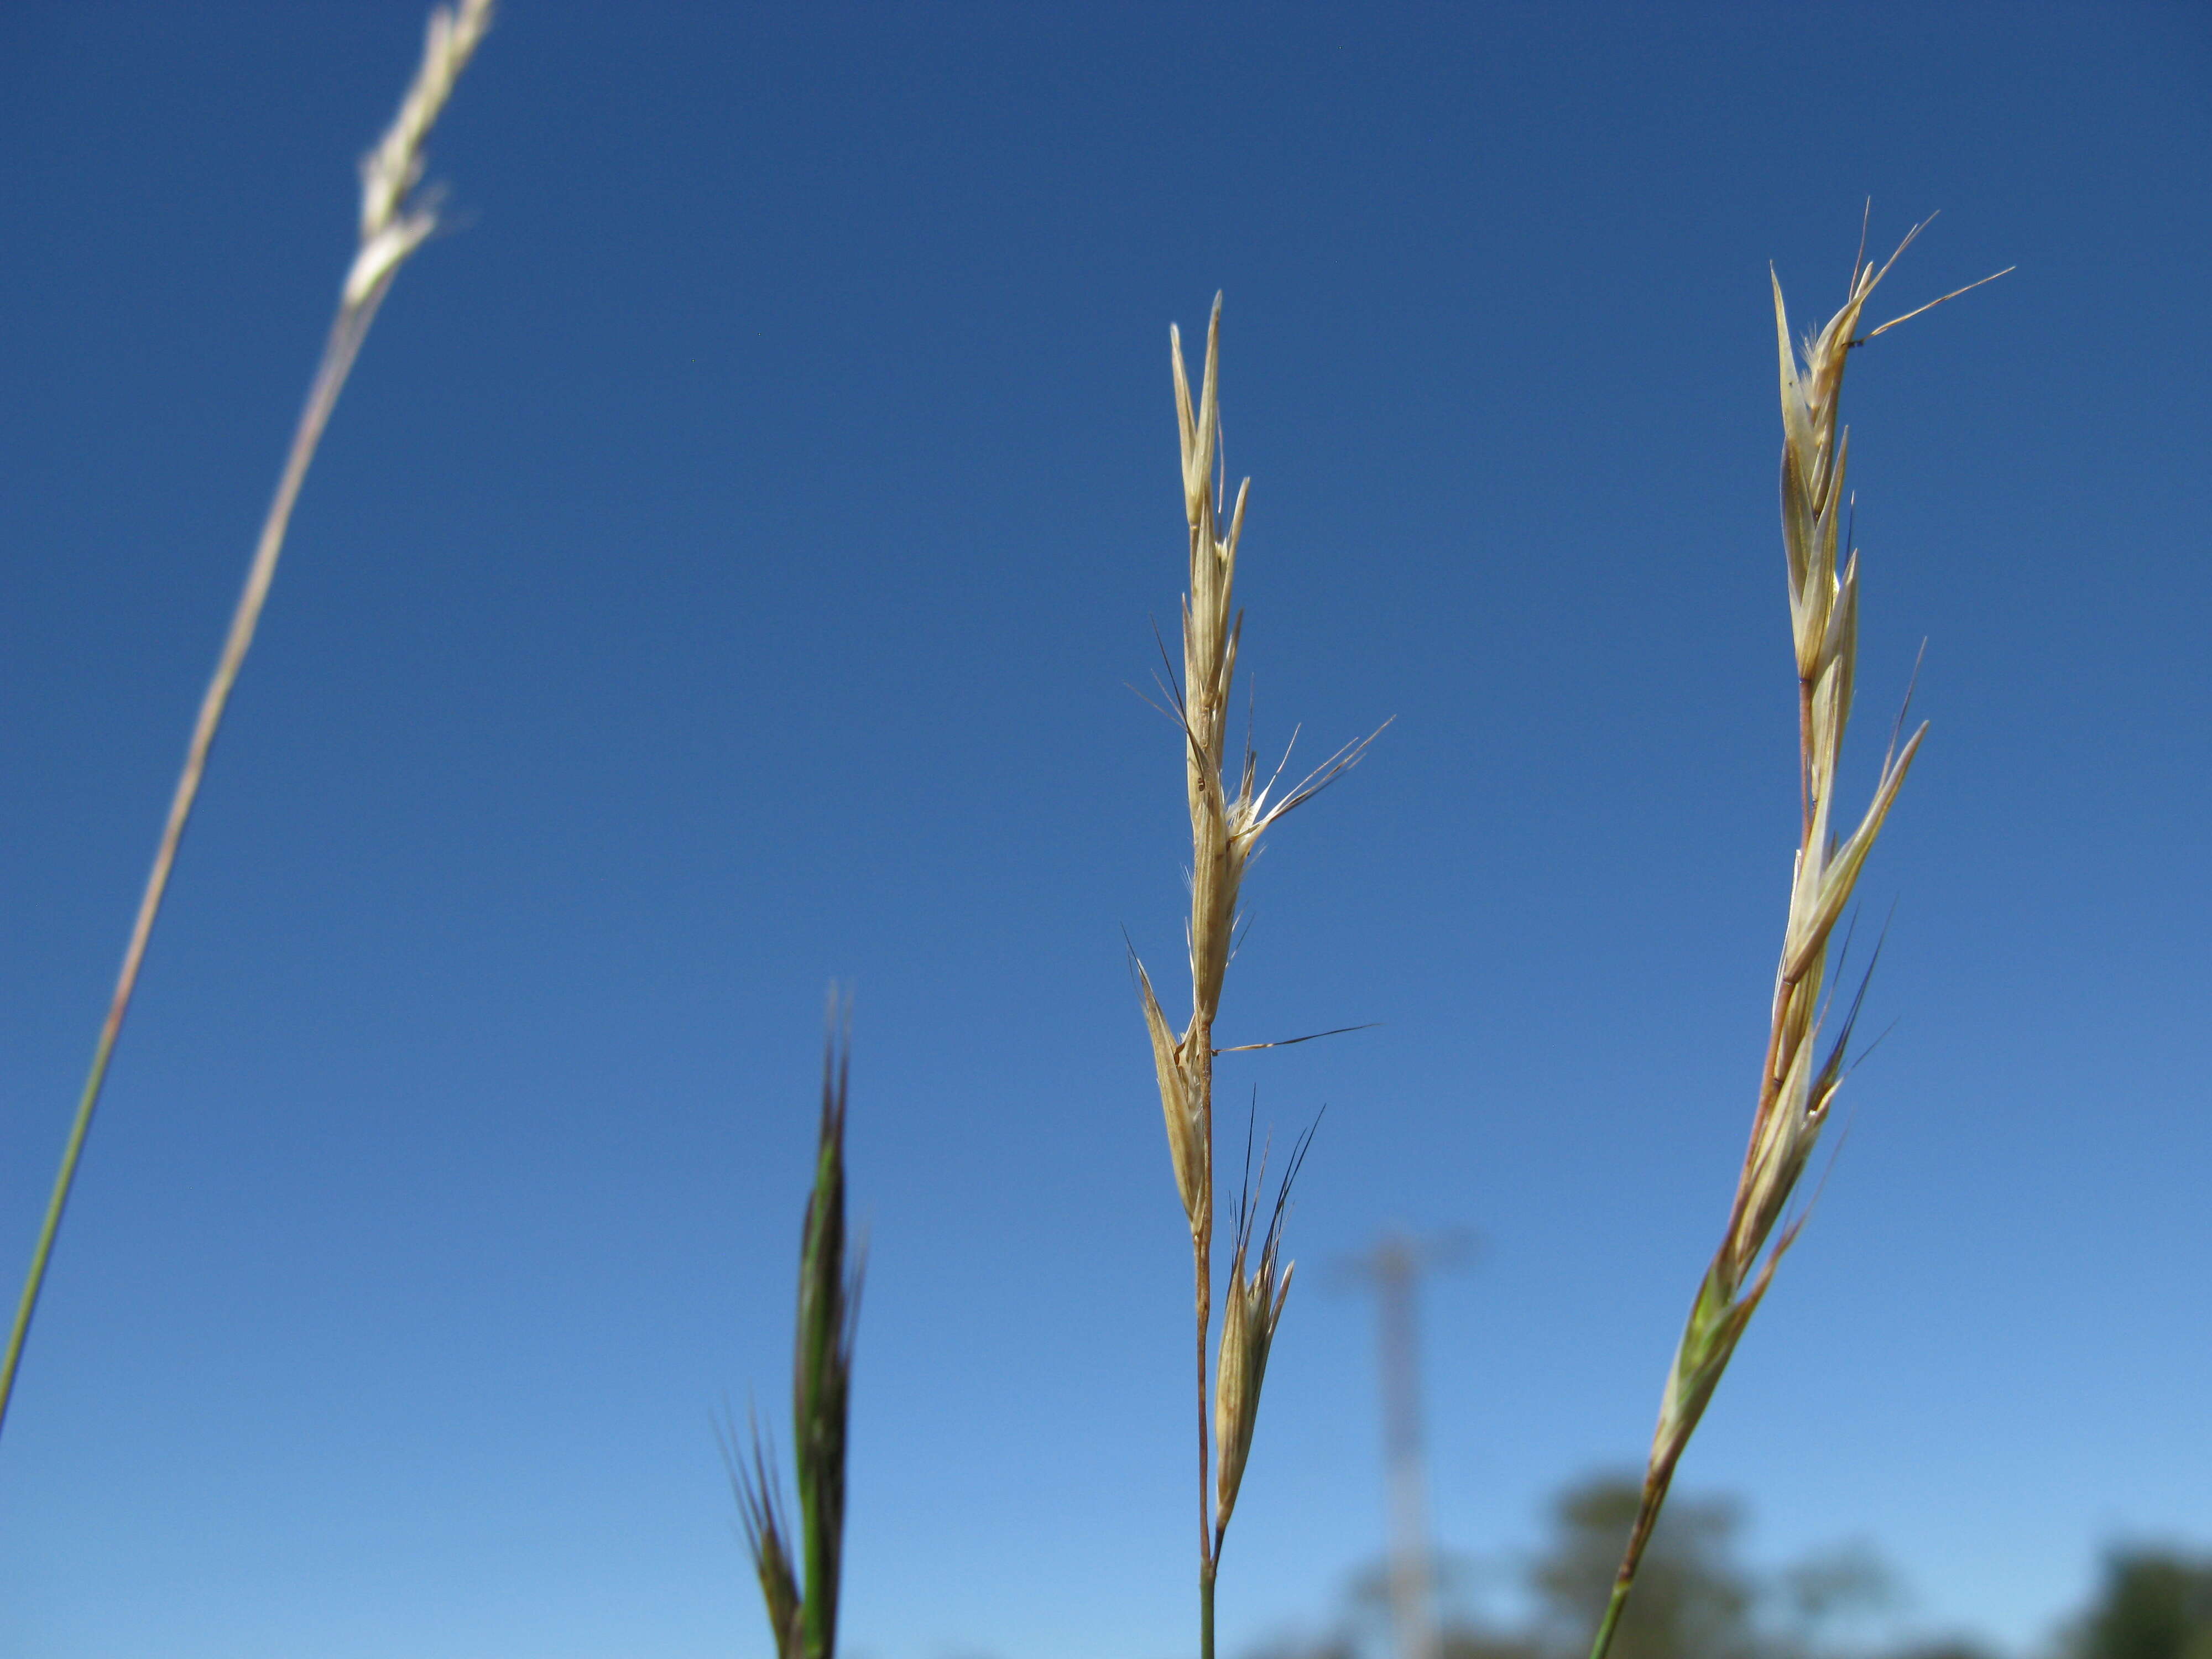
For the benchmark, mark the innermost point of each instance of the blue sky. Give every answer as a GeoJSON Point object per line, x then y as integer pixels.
{"type": "Point", "coordinates": [726, 572]}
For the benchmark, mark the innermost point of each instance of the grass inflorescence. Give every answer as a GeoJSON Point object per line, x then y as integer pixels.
{"type": "Point", "coordinates": [1230, 811]}
{"type": "Point", "coordinates": [1799, 1078]}
{"type": "Point", "coordinates": [802, 1612]}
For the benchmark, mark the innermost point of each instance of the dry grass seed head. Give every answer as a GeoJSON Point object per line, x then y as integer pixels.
{"type": "Point", "coordinates": [1796, 1093]}
{"type": "Point", "coordinates": [1225, 830]}
{"type": "Point", "coordinates": [1248, 1318]}
{"type": "Point", "coordinates": [1824, 619]}
{"type": "Point", "coordinates": [1188, 1147]}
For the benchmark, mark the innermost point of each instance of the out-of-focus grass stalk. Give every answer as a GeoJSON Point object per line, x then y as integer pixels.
{"type": "Point", "coordinates": [1225, 832]}
{"type": "Point", "coordinates": [1798, 1084]}
{"type": "Point", "coordinates": [391, 228]}
{"type": "Point", "coordinates": [803, 1620]}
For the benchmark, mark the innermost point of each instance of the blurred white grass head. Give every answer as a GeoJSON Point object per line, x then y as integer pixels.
{"type": "Point", "coordinates": [392, 227]}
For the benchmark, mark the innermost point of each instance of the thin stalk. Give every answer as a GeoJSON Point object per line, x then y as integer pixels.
{"type": "Point", "coordinates": [1647, 1517]}
{"type": "Point", "coordinates": [1200, 1043]}
{"type": "Point", "coordinates": [1206, 1614]}
{"type": "Point", "coordinates": [1614, 1604]}
{"type": "Point", "coordinates": [346, 335]}
{"type": "Point", "coordinates": [391, 228]}
{"type": "Point", "coordinates": [1202, 1265]}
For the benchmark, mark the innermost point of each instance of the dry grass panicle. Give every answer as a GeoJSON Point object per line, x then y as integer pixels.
{"type": "Point", "coordinates": [1230, 811]}
{"type": "Point", "coordinates": [1248, 1318]}
{"type": "Point", "coordinates": [1798, 1079]}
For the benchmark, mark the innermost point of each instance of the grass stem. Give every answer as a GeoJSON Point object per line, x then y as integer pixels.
{"type": "Point", "coordinates": [346, 335]}
{"type": "Point", "coordinates": [391, 230]}
{"type": "Point", "coordinates": [1202, 1269]}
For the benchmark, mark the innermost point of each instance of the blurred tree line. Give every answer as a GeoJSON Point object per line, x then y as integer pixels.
{"type": "Point", "coordinates": [1695, 1599]}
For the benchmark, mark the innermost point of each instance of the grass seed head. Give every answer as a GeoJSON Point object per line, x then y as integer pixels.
{"type": "Point", "coordinates": [1796, 1088]}
{"type": "Point", "coordinates": [391, 228]}
{"type": "Point", "coordinates": [1248, 1319]}
{"type": "Point", "coordinates": [1225, 828]}
{"type": "Point", "coordinates": [1189, 1146]}
{"type": "Point", "coordinates": [1824, 604]}
{"type": "Point", "coordinates": [822, 1372]}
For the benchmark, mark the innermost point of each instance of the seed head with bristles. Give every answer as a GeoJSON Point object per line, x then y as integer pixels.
{"type": "Point", "coordinates": [1230, 811]}
{"type": "Point", "coordinates": [768, 1528]}
{"type": "Point", "coordinates": [1797, 1081]}
{"type": "Point", "coordinates": [803, 1615]}
{"type": "Point", "coordinates": [1253, 1309]}
{"type": "Point", "coordinates": [1797, 1086]}
{"type": "Point", "coordinates": [1225, 830]}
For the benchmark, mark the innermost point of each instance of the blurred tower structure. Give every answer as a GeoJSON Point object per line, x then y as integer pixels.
{"type": "Point", "coordinates": [1391, 1268]}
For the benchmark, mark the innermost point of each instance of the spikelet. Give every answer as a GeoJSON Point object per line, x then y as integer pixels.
{"type": "Point", "coordinates": [803, 1616]}
{"type": "Point", "coordinates": [760, 1507]}
{"type": "Point", "coordinates": [1190, 1147]}
{"type": "Point", "coordinates": [1253, 1309]}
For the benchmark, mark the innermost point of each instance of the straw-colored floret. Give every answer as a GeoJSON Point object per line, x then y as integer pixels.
{"type": "Point", "coordinates": [1247, 1329]}
{"type": "Point", "coordinates": [1253, 1309]}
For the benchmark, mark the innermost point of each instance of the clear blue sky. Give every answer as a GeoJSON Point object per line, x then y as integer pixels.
{"type": "Point", "coordinates": [726, 572]}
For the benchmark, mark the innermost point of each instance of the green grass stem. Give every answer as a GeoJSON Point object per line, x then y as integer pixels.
{"type": "Point", "coordinates": [345, 339]}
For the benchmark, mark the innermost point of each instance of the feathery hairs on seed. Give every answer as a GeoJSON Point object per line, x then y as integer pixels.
{"type": "Point", "coordinates": [1797, 1083]}
{"type": "Point", "coordinates": [391, 228]}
